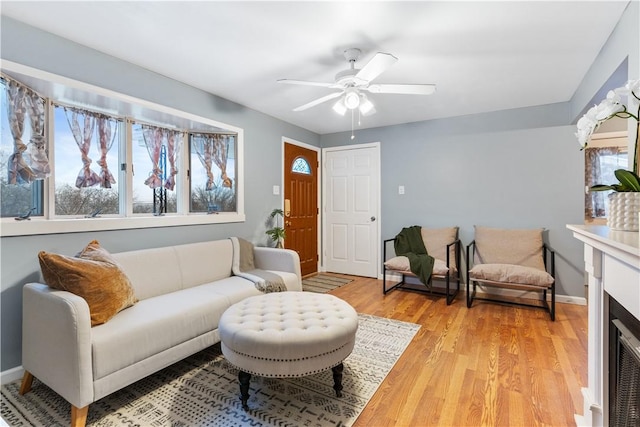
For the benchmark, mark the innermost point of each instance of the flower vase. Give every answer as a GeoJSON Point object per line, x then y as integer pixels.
{"type": "Point", "coordinates": [623, 211]}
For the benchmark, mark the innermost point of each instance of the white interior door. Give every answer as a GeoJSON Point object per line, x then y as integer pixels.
{"type": "Point", "coordinates": [352, 182]}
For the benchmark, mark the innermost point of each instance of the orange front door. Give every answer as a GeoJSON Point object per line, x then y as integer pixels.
{"type": "Point", "coordinates": [301, 205]}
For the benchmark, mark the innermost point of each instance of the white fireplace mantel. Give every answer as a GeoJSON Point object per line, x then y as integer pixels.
{"type": "Point", "coordinates": [612, 264]}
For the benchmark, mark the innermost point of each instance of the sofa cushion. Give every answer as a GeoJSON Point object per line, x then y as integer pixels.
{"type": "Point", "coordinates": [509, 246]}
{"type": "Point", "coordinates": [152, 272]}
{"type": "Point", "coordinates": [92, 274]}
{"type": "Point", "coordinates": [162, 322]}
{"type": "Point", "coordinates": [509, 273]}
{"type": "Point", "coordinates": [204, 262]}
{"type": "Point", "coordinates": [158, 271]}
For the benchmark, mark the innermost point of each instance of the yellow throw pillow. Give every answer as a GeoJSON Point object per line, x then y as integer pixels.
{"type": "Point", "coordinates": [92, 274]}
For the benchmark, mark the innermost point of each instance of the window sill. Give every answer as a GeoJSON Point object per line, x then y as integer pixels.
{"type": "Point", "coordinates": [10, 227]}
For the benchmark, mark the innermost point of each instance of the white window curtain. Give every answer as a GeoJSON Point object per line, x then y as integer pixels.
{"type": "Point", "coordinates": [26, 163]}
{"type": "Point", "coordinates": [86, 177]}
{"type": "Point", "coordinates": [154, 139]}
{"type": "Point", "coordinates": [213, 149]}
{"type": "Point", "coordinates": [107, 131]}
{"type": "Point", "coordinates": [220, 157]}
{"type": "Point", "coordinates": [37, 143]}
{"type": "Point", "coordinates": [203, 145]}
{"type": "Point", "coordinates": [174, 143]}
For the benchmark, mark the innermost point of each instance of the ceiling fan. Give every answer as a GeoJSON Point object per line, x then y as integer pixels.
{"type": "Point", "coordinates": [354, 81]}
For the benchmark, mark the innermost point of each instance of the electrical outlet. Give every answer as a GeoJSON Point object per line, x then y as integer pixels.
{"type": "Point", "coordinates": [401, 189]}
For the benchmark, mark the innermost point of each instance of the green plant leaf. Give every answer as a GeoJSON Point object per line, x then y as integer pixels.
{"type": "Point", "coordinates": [276, 212]}
{"type": "Point", "coordinates": [602, 187]}
{"type": "Point", "coordinates": [629, 180]}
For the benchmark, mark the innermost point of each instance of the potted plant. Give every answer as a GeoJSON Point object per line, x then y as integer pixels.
{"type": "Point", "coordinates": [276, 233]}
{"type": "Point", "coordinates": [625, 200]}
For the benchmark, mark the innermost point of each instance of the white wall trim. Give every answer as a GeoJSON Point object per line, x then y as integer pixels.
{"type": "Point", "coordinates": [11, 375]}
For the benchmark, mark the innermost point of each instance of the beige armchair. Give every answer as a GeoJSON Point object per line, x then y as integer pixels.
{"type": "Point", "coordinates": [513, 259]}
{"type": "Point", "coordinates": [444, 246]}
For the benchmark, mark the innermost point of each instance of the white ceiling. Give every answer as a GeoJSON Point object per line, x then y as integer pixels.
{"type": "Point", "coordinates": [483, 56]}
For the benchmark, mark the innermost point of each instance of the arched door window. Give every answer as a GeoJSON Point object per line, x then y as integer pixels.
{"type": "Point", "coordinates": [300, 165]}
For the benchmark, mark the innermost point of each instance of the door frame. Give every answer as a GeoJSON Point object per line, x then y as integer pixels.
{"type": "Point", "coordinates": [292, 141]}
{"type": "Point", "coordinates": [376, 146]}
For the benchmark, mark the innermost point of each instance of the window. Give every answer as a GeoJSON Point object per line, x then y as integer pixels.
{"type": "Point", "coordinates": [113, 156]}
{"type": "Point", "coordinates": [23, 146]}
{"type": "Point", "coordinates": [213, 176]}
{"type": "Point", "coordinates": [300, 165]}
{"type": "Point", "coordinates": [601, 160]}
{"type": "Point", "coordinates": [154, 156]}
{"type": "Point", "coordinates": [86, 159]}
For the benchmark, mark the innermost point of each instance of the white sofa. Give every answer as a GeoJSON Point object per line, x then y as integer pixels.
{"type": "Point", "coordinates": [182, 291]}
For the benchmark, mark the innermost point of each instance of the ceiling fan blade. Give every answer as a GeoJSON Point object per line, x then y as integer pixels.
{"type": "Point", "coordinates": [406, 89]}
{"type": "Point", "coordinates": [304, 82]}
{"type": "Point", "coordinates": [318, 101]}
{"type": "Point", "coordinates": [376, 66]}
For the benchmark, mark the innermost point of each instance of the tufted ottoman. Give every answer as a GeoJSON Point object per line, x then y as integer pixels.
{"type": "Point", "coordinates": [288, 334]}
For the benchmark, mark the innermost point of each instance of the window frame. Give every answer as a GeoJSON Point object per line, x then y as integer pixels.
{"type": "Point", "coordinates": [48, 224]}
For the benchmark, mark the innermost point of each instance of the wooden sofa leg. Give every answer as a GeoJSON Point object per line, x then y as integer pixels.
{"type": "Point", "coordinates": [27, 380]}
{"type": "Point", "coordinates": [79, 416]}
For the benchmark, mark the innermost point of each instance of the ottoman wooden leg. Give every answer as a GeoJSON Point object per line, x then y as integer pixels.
{"type": "Point", "coordinates": [337, 379]}
{"type": "Point", "coordinates": [244, 379]}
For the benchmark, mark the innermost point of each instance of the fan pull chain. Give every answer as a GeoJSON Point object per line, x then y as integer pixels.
{"type": "Point", "coordinates": [352, 119]}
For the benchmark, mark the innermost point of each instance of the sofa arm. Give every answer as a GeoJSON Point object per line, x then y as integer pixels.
{"type": "Point", "coordinates": [56, 341]}
{"type": "Point", "coordinates": [277, 259]}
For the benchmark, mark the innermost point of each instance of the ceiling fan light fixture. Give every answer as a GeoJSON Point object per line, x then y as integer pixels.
{"type": "Point", "coordinates": [351, 99]}
{"type": "Point", "coordinates": [339, 107]}
{"type": "Point", "coordinates": [366, 107]}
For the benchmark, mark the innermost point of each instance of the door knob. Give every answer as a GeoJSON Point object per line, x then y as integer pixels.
{"type": "Point", "coordinates": [287, 223]}
{"type": "Point", "coordinates": [373, 218]}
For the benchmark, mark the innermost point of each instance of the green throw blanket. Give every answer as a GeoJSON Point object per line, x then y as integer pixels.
{"type": "Point", "coordinates": [243, 266]}
{"type": "Point", "coordinates": [409, 243]}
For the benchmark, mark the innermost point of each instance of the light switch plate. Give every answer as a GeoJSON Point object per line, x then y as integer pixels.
{"type": "Point", "coordinates": [276, 190]}
{"type": "Point", "coordinates": [401, 189]}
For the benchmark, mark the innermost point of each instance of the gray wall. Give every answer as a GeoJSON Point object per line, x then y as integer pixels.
{"type": "Point", "coordinates": [518, 168]}
{"type": "Point", "coordinates": [262, 159]}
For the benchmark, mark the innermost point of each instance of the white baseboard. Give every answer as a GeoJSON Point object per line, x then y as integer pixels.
{"type": "Point", "coordinates": [566, 299]}
{"type": "Point", "coordinates": [10, 375]}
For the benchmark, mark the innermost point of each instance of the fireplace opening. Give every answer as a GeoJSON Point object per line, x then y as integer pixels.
{"type": "Point", "coordinates": [624, 367]}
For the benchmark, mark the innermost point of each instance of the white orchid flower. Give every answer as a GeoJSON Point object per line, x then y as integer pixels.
{"type": "Point", "coordinates": [632, 86]}
{"type": "Point", "coordinates": [609, 106]}
{"type": "Point", "coordinates": [586, 126]}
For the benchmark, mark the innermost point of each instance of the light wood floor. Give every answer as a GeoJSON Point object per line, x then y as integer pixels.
{"type": "Point", "coordinates": [491, 365]}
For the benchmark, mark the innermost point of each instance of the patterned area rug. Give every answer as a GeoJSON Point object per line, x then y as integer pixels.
{"type": "Point", "coordinates": [203, 390]}
{"type": "Point", "coordinates": [322, 283]}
